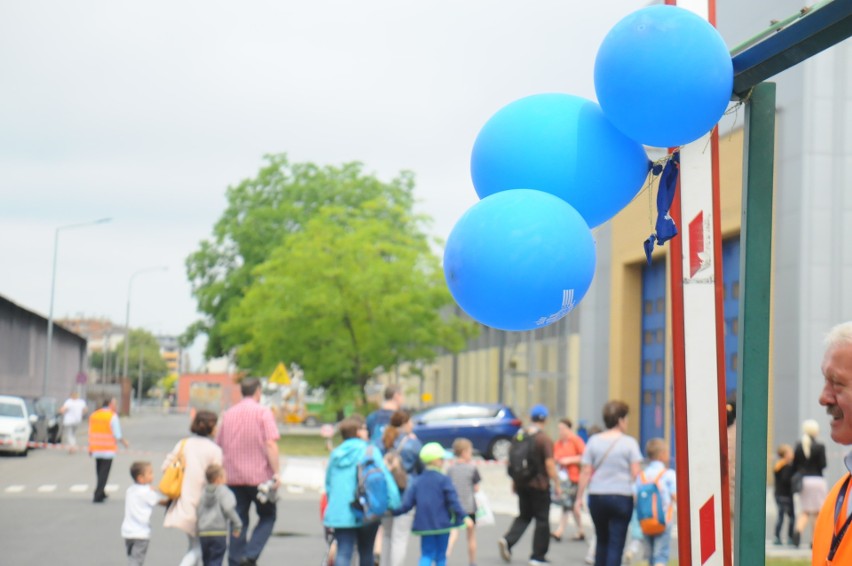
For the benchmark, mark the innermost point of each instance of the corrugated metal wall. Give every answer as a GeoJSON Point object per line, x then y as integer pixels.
{"type": "Point", "coordinates": [23, 343]}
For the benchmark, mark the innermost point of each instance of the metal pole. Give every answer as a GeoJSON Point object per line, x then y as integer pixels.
{"type": "Point", "coordinates": [127, 326]}
{"type": "Point", "coordinates": [139, 382]}
{"type": "Point", "coordinates": [106, 354]}
{"type": "Point", "coordinates": [127, 314]}
{"type": "Point", "coordinates": [756, 274]}
{"type": "Point", "coordinates": [53, 294]}
{"type": "Point", "coordinates": [50, 314]}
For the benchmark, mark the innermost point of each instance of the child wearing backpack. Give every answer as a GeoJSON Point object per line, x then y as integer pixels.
{"type": "Point", "coordinates": [437, 507]}
{"type": "Point", "coordinates": [360, 490]}
{"type": "Point", "coordinates": [656, 491]}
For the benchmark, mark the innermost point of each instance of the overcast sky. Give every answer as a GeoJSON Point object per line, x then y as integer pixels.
{"type": "Point", "coordinates": [146, 112]}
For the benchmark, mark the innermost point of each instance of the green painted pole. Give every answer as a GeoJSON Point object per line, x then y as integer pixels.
{"type": "Point", "coordinates": [755, 277]}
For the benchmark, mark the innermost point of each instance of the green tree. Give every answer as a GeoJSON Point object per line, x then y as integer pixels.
{"type": "Point", "coordinates": [356, 289]}
{"type": "Point", "coordinates": [142, 344]}
{"type": "Point", "coordinates": [261, 214]}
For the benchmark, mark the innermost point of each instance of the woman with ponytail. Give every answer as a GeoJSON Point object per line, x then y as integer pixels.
{"type": "Point", "coordinates": [809, 462]}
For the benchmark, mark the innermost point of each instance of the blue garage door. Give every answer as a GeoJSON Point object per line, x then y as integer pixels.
{"type": "Point", "coordinates": [730, 308]}
{"type": "Point", "coordinates": [653, 351]}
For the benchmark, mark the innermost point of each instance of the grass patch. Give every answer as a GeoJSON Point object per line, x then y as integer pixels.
{"type": "Point", "coordinates": [304, 445]}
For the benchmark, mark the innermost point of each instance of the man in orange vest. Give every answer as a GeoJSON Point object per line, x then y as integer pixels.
{"type": "Point", "coordinates": [104, 436]}
{"type": "Point", "coordinates": [832, 542]}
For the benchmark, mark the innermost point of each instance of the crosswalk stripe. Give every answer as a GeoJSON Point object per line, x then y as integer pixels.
{"type": "Point", "coordinates": [15, 489]}
{"type": "Point", "coordinates": [47, 488]}
{"type": "Point", "coordinates": [111, 487]}
{"type": "Point", "coordinates": [78, 488]}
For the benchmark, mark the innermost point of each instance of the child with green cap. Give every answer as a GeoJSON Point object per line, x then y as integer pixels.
{"type": "Point", "coordinates": [437, 507]}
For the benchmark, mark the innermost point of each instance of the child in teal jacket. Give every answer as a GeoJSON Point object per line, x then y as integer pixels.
{"type": "Point", "coordinates": [341, 479]}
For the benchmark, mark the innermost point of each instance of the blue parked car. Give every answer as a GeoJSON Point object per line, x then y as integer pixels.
{"type": "Point", "coordinates": [489, 426]}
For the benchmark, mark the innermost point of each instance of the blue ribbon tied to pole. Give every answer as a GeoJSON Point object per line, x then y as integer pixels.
{"type": "Point", "coordinates": [665, 228]}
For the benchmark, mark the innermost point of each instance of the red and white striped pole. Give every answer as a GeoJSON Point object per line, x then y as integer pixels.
{"type": "Point", "coordinates": [704, 526]}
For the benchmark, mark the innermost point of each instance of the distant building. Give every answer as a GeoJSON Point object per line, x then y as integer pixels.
{"type": "Point", "coordinates": [100, 333]}
{"type": "Point", "coordinates": [23, 348]}
{"type": "Point", "coordinates": [170, 351]}
{"type": "Point", "coordinates": [210, 392]}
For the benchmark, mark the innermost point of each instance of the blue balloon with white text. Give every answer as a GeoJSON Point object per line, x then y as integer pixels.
{"type": "Point", "coordinates": [663, 76]}
{"type": "Point", "coordinates": [563, 145]}
{"type": "Point", "coordinates": [519, 260]}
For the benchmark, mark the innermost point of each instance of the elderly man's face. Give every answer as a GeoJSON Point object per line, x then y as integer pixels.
{"type": "Point", "coordinates": [836, 394]}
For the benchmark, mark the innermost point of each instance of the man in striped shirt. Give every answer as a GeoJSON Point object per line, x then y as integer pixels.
{"type": "Point", "coordinates": [248, 436]}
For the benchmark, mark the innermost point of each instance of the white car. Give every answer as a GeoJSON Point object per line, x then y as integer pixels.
{"type": "Point", "coordinates": [15, 426]}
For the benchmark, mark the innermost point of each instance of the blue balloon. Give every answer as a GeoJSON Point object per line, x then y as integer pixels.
{"type": "Point", "coordinates": [519, 260]}
{"type": "Point", "coordinates": [563, 145]}
{"type": "Point", "coordinates": [663, 76]}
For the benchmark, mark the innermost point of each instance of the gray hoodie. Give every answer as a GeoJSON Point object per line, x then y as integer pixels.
{"type": "Point", "coordinates": [217, 506]}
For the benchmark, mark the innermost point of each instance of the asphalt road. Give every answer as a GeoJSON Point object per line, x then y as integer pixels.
{"type": "Point", "coordinates": [47, 516]}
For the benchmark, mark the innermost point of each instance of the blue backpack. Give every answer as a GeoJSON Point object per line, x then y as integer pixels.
{"type": "Point", "coordinates": [371, 492]}
{"type": "Point", "coordinates": [649, 506]}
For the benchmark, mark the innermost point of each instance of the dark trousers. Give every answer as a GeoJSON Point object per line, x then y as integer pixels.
{"type": "Point", "coordinates": [348, 539]}
{"type": "Point", "coordinates": [533, 504]}
{"type": "Point", "coordinates": [102, 467]}
{"type": "Point", "coordinates": [213, 550]}
{"type": "Point", "coordinates": [243, 546]}
{"type": "Point", "coordinates": [785, 507]}
{"type": "Point", "coordinates": [611, 515]}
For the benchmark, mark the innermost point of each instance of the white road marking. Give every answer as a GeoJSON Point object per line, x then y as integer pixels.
{"type": "Point", "coordinates": [47, 488]}
{"type": "Point", "coordinates": [79, 488]}
{"type": "Point", "coordinates": [111, 487]}
{"type": "Point", "coordinates": [15, 489]}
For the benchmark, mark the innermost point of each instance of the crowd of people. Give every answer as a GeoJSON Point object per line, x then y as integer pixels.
{"type": "Point", "coordinates": [225, 467]}
{"type": "Point", "coordinates": [383, 485]}
{"type": "Point", "coordinates": [432, 493]}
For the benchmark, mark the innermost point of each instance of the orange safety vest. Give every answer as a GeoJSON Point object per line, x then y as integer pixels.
{"type": "Point", "coordinates": [101, 438]}
{"type": "Point", "coordinates": [829, 524]}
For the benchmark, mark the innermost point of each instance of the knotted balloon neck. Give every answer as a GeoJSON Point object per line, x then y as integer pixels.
{"type": "Point", "coordinates": [665, 228]}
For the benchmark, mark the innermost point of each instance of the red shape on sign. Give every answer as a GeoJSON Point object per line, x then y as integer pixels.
{"type": "Point", "coordinates": [696, 243]}
{"type": "Point", "coordinates": [707, 529]}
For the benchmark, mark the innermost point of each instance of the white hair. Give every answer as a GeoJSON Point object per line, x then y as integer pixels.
{"type": "Point", "coordinates": [839, 334]}
{"type": "Point", "coordinates": [811, 430]}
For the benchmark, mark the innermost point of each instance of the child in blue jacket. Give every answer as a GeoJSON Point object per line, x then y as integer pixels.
{"type": "Point", "coordinates": [437, 507]}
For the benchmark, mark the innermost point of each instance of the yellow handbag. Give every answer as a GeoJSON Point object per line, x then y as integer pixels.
{"type": "Point", "coordinates": [172, 479]}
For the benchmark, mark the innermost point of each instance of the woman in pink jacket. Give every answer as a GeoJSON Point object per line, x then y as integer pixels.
{"type": "Point", "coordinates": [199, 451]}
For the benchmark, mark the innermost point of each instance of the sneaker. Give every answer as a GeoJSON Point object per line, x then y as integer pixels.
{"type": "Point", "coordinates": [777, 542]}
{"type": "Point", "coordinates": [505, 551]}
{"type": "Point", "coordinates": [538, 561]}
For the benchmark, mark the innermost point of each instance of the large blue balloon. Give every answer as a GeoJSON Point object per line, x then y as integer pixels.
{"type": "Point", "coordinates": [563, 145]}
{"type": "Point", "coordinates": [663, 76]}
{"type": "Point", "coordinates": [519, 260]}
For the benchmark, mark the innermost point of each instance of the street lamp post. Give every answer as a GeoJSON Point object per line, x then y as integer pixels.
{"type": "Point", "coordinates": [53, 292]}
{"type": "Point", "coordinates": [127, 327]}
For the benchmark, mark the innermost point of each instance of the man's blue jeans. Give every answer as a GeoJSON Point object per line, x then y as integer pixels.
{"type": "Point", "coordinates": [240, 547]}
